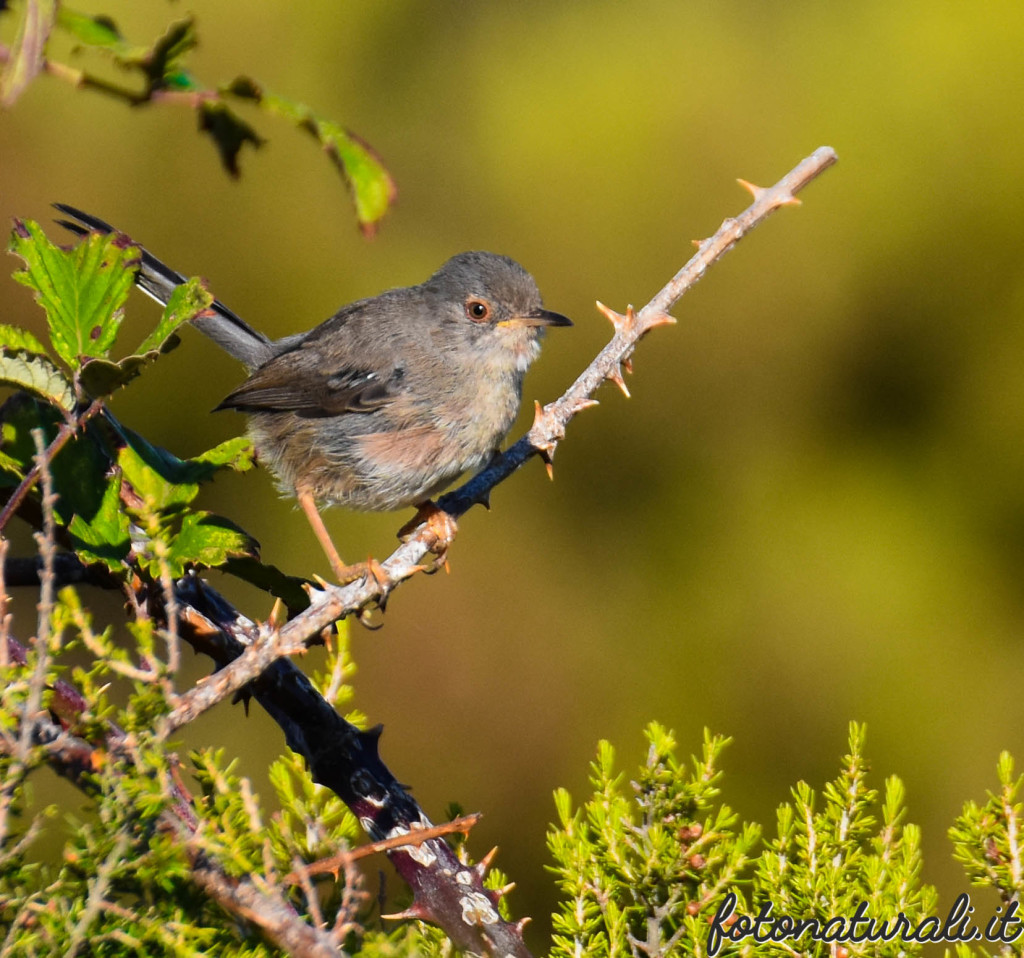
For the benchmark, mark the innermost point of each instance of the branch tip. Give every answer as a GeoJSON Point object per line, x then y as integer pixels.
{"type": "Point", "coordinates": [413, 913]}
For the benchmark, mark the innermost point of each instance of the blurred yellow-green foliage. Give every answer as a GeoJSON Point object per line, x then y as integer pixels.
{"type": "Point", "coordinates": [811, 510]}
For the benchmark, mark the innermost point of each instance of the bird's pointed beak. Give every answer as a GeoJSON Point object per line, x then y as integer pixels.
{"type": "Point", "coordinates": [537, 317]}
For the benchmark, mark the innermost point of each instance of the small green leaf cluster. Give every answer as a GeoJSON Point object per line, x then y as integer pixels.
{"type": "Point", "coordinates": [82, 291]}
{"type": "Point", "coordinates": [826, 862]}
{"type": "Point", "coordinates": [137, 664]}
{"type": "Point", "coordinates": [120, 883]}
{"type": "Point", "coordinates": [312, 822]}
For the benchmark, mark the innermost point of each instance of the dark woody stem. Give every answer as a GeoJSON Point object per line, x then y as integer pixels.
{"type": "Point", "coordinates": [345, 759]}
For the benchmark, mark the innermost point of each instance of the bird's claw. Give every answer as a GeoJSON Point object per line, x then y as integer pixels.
{"type": "Point", "coordinates": [440, 526]}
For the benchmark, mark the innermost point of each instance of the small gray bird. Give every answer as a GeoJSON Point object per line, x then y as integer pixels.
{"type": "Point", "coordinates": [388, 401]}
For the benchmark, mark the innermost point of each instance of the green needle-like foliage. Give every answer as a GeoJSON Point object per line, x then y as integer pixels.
{"type": "Point", "coordinates": [642, 865]}
{"type": "Point", "coordinates": [832, 856]}
{"type": "Point", "coordinates": [657, 866]}
{"type": "Point", "coordinates": [126, 878]}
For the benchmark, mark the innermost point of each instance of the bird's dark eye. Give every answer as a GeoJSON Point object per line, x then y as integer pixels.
{"type": "Point", "coordinates": [477, 310]}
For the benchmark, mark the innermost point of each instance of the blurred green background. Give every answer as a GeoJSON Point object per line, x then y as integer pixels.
{"type": "Point", "coordinates": [811, 510]}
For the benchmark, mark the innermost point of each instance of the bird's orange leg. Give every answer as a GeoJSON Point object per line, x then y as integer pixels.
{"type": "Point", "coordinates": [342, 572]}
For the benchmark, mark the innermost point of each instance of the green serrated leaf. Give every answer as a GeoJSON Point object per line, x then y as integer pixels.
{"type": "Point", "coordinates": [371, 186]}
{"type": "Point", "coordinates": [103, 536]}
{"type": "Point", "coordinates": [14, 337]}
{"type": "Point", "coordinates": [163, 481]}
{"type": "Point", "coordinates": [29, 49]}
{"type": "Point", "coordinates": [101, 377]}
{"type": "Point", "coordinates": [38, 375]}
{"type": "Point", "coordinates": [207, 540]}
{"type": "Point", "coordinates": [82, 289]}
{"type": "Point", "coordinates": [237, 454]}
{"type": "Point", "coordinates": [186, 303]}
{"type": "Point", "coordinates": [154, 475]}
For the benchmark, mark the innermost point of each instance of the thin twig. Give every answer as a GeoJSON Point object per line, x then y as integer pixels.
{"type": "Point", "coordinates": [81, 79]}
{"type": "Point", "coordinates": [41, 641]}
{"type": "Point", "coordinates": [5, 601]}
{"type": "Point", "coordinates": [415, 836]}
{"type": "Point", "coordinates": [99, 884]}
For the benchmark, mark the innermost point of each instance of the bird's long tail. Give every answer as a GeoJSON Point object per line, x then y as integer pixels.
{"type": "Point", "coordinates": [157, 280]}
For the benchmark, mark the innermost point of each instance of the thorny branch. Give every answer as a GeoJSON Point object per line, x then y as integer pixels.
{"type": "Point", "coordinates": [345, 759]}
{"type": "Point", "coordinates": [550, 421]}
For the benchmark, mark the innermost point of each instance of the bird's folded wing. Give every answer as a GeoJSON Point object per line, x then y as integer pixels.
{"type": "Point", "coordinates": [295, 382]}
